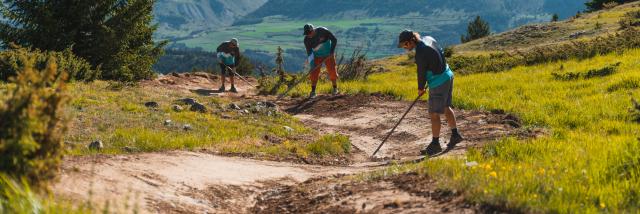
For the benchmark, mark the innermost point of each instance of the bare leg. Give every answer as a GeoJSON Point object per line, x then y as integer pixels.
{"type": "Point", "coordinates": [451, 118]}
{"type": "Point", "coordinates": [231, 79]}
{"type": "Point", "coordinates": [435, 124]}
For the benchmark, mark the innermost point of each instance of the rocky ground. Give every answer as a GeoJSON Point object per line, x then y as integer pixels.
{"type": "Point", "coordinates": [206, 182]}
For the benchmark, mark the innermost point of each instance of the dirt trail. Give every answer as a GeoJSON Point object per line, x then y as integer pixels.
{"type": "Point", "coordinates": [177, 182]}
{"type": "Point", "coordinates": [192, 182]}
{"type": "Point", "coordinates": [367, 120]}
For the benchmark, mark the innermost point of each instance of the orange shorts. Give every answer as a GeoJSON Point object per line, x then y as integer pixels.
{"type": "Point", "coordinates": [330, 63]}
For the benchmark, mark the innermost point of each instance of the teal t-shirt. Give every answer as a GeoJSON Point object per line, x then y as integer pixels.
{"type": "Point", "coordinates": [323, 50]}
{"type": "Point", "coordinates": [437, 80]}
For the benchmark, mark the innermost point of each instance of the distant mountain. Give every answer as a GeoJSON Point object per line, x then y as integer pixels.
{"type": "Point", "coordinates": [263, 25]}
{"type": "Point", "coordinates": [181, 18]}
{"type": "Point", "coordinates": [503, 14]}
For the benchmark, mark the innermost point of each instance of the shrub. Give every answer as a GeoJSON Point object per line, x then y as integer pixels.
{"type": "Point", "coordinates": [599, 72]}
{"type": "Point", "coordinates": [595, 5]}
{"type": "Point", "coordinates": [632, 83]}
{"type": "Point", "coordinates": [356, 67]}
{"type": "Point", "coordinates": [13, 60]}
{"type": "Point", "coordinates": [630, 19]}
{"type": "Point", "coordinates": [32, 126]}
{"type": "Point", "coordinates": [635, 111]}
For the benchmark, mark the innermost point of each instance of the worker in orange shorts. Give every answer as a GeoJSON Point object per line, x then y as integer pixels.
{"type": "Point", "coordinates": [321, 45]}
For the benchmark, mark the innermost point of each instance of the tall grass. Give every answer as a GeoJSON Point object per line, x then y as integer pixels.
{"type": "Point", "coordinates": [588, 163]}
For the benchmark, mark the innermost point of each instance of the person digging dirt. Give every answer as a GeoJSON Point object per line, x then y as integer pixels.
{"type": "Point", "coordinates": [434, 72]}
{"type": "Point", "coordinates": [321, 45]}
{"type": "Point", "coordinates": [228, 56]}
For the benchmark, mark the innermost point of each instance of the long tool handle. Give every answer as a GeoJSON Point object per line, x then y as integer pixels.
{"type": "Point", "coordinates": [397, 124]}
{"type": "Point", "coordinates": [240, 76]}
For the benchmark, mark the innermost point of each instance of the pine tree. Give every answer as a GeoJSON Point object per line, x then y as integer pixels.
{"type": "Point", "coordinates": [476, 29]}
{"type": "Point", "coordinates": [555, 17]}
{"type": "Point", "coordinates": [113, 35]}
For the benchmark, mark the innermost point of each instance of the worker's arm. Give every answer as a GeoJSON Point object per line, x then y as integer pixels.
{"type": "Point", "coordinates": [421, 63]}
{"type": "Point", "coordinates": [238, 56]}
{"type": "Point", "coordinates": [334, 41]}
{"type": "Point", "coordinates": [308, 46]}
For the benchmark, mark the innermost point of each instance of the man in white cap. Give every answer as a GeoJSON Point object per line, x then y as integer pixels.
{"type": "Point", "coordinates": [228, 58]}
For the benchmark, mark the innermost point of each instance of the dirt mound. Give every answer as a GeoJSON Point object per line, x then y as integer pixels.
{"type": "Point", "coordinates": [204, 84]}
{"type": "Point", "coordinates": [341, 105]}
{"type": "Point", "coordinates": [404, 193]}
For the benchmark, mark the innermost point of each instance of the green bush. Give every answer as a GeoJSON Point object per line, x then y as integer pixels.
{"type": "Point", "coordinates": [630, 19]}
{"type": "Point", "coordinates": [592, 73]}
{"type": "Point", "coordinates": [13, 60]}
{"type": "Point", "coordinates": [32, 127]}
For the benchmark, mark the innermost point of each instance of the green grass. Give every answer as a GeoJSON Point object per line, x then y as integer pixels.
{"type": "Point", "coordinates": [18, 197]}
{"type": "Point", "coordinates": [120, 119]}
{"type": "Point", "coordinates": [588, 163]}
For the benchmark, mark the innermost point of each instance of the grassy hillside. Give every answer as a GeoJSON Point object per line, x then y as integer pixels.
{"type": "Point", "coordinates": [587, 163]}
{"type": "Point", "coordinates": [583, 26]}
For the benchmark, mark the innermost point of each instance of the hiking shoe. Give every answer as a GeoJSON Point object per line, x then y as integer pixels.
{"type": "Point", "coordinates": [312, 95]}
{"type": "Point", "coordinates": [454, 140]}
{"type": "Point", "coordinates": [233, 89]}
{"type": "Point", "coordinates": [432, 149]}
{"type": "Point", "coordinates": [335, 91]}
{"type": "Point", "coordinates": [221, 89]}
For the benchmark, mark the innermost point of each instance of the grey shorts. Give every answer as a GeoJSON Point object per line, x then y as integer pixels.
{"type": "Point", "coordinates": [440, 97]}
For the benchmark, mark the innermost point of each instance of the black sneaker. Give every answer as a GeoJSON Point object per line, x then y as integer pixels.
{"type": "Point", "coordinates": [312, 95]}
{"type": "Point", "coordinates": [221, 89]}
{"type": "Point", "coordinates": [454, 140]}
{"type": "Point", "coordinates": [233, 89]}
{"type": "Point", "coordinates": [432, 149]}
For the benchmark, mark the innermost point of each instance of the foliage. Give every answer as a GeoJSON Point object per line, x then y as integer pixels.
{"type": "Point", "coordinates": [591, 73]}
{"type": "Point", "coordinates": [16, 58]}
{"type": "Point", "coordinates": [246, 67]}
{"type": "Point", "coordinates": [555, 17]}
{"type": "Point", "coordinates": [355, 66]}
{"type": "Point", "coordinates": [595, 5]}
{"type": "Point", "coordinates": [18, 197]}
{"type": "Point", "coordinates": [635, 111]}
{"type": "Point", "coordinates": [32, 126]}
{"type": "Point", "coordinates": [113, 35]}
{"type": "Point", "coordinates": [478, 28]}
{"type": "Point", "coordinates": [630, 19]}
{"type": "Point", "coordinates": [582, 49]}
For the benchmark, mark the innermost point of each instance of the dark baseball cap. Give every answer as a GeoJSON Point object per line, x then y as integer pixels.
{"type": "Point", "coordinates": [307, 29]}
{"type": "Point", "coordinates": [405, 35]}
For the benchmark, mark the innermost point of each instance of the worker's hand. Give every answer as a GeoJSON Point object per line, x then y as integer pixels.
{"type": "Point", "coordinates": [421, 92]}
